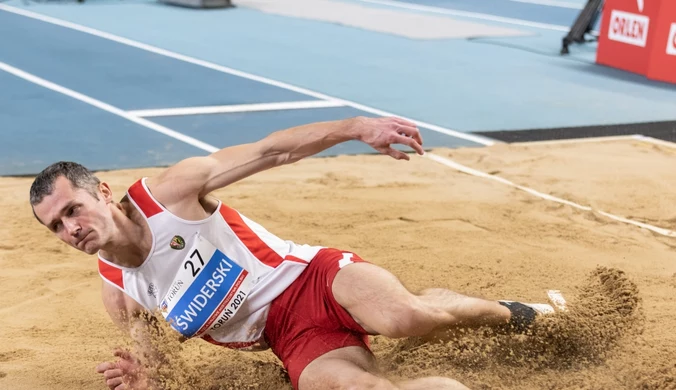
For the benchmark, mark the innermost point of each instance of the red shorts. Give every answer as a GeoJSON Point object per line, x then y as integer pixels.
{"type": "Point", "coordinates": [305, 321]}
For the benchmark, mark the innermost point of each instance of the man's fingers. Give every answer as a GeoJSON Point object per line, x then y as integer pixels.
{"type": "Point", "coordinates": [103, 367]}
{"type": "Point", "coordinates": [123, 354]}
{"type": "Point", "coordinates": [418, 137]}
{"type": "Point", "coordinates": [114, 383]}
{"type": "Point", "coordinates": [411, 131]}
{"type": "Point", "coordinates": [116, 373]}
{"type": "Point", "coordinates": [397, 154]}
{"type": "Point", "coordinates": [412, 143]}
{"type": "Point", "coordinates": [394, 153]}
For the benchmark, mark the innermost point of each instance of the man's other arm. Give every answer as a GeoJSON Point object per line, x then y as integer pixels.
{"type": "Point", "coordinates": [195, 177]}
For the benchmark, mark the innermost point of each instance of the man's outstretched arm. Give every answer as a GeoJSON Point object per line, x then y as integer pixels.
{"type": "Point", "coordinates": [198, 176]}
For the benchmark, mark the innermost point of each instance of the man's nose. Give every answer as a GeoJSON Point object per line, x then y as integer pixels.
{"type": "Point", "coordinates": [73, 228]}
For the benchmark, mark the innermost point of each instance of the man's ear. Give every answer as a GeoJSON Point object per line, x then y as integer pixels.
{"type": "Point", "coordinates": [106, 192]}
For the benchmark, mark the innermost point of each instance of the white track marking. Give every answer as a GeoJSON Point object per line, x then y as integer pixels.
{"type": "Point", "coordinates": [655, 141]}
{"type": "Point", "coordinates": [474, 172]}
{"type": "Point", "coordinates": [236, 108]}
{"type": "Point", "coordinates": [106, 107]}
{"type": "Point", "coordinates": [453, 133]}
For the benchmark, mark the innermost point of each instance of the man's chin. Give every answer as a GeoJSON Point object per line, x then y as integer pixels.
{"type": "Point", "coordinates": [89, 248]}
{"type": "Point", "coordinates": [90, 251]}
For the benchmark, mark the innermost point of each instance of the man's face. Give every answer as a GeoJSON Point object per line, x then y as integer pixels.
{"type": "Point", "coordinates": [76, 217]}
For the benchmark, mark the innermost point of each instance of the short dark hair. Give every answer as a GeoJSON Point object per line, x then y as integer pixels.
{"type": "Point", "coordinates": [78, 175]}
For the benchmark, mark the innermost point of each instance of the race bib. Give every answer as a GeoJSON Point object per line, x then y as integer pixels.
{"type": "Point", "coordinates": [207, 291]}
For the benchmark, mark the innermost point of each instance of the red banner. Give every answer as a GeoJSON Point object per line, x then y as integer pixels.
{"type": "Point", "coordinates": [639, 36]}
{"type": "Point", "coordinates": [663, 57]}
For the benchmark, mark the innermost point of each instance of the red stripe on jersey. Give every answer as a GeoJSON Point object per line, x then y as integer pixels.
{"type": "Point", "coordinates": [112, 274]}
{"type": "Point", "coordinates": [295, 259]}
{"type": "Point", "coordinates": [254, 243]}
{"type": "Point", "coordinates": [143, 199]}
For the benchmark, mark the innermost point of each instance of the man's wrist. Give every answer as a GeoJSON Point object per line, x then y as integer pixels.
{"type": "Point", "coordinates": [353, 128]}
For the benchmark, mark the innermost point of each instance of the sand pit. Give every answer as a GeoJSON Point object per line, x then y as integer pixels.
{"type": "Point", "coordinates": [429, 225]}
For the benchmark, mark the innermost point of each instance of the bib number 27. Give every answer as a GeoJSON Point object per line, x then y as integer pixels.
{"type": "Point", "coordinates": [192, 259]}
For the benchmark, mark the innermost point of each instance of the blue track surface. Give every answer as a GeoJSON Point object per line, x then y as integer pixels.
{"type": "Point", "coordinates": [124, 76]}
{"type": "Point", "coordinates": [485, 85]}
{"type": "Point", "coordinates": [40, 126]}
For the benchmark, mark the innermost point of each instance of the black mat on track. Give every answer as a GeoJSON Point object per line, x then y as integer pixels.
{"type": "Point", "coordinates": [661, 130]}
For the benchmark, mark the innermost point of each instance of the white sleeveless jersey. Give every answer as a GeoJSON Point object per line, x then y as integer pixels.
{"type": "Point", "coordinates": [213, 278]}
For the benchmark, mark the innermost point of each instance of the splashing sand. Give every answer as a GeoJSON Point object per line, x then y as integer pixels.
{"type": "Point", "coordinates": [186, 366]}
{"type": "Point", "coordinates": [605, 312]}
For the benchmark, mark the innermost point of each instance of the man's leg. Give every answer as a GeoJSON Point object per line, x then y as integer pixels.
{"type": "Point", "coordinates": [355, 368]}
{"type": "Point", "coordinates": [382, 305]}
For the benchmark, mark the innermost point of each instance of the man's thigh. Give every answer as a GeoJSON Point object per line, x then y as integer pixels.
{"type": "Point", "coordinates": [344, 368]}
{"type": "Point", "coordinates": [374, 297]}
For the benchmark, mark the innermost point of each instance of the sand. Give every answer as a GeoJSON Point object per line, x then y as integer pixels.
{"type": "Point", "coordinates": [432, 227]}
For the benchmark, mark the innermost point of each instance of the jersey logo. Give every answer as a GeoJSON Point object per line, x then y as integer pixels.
{"type": "Point", "coordinates": [152, 290]}
{"type": "Point", "coordinates": [177, 243]}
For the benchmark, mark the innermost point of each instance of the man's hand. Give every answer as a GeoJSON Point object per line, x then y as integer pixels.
{"type": "Point", "coordinates": [125, 374]}
{"type": "Point", "coordinates": [380, 133]}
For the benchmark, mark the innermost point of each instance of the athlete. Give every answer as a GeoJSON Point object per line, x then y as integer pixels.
{"type": "Point", "coordinates": [169, 247]}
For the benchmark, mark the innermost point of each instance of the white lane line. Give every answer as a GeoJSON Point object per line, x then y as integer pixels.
{"type": "Point", "coordinates": [466, 14]}
{"type": "Point", "coordinates": [236, 108]}
{"type": "Point", "coordinates": [107, 107]}
{"type": "Point", "coordinates": [453, 133]}
{"type": "Point", "coordinates": [655, 141]}
{"type": "Point", "coordinates": [474, 172]}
